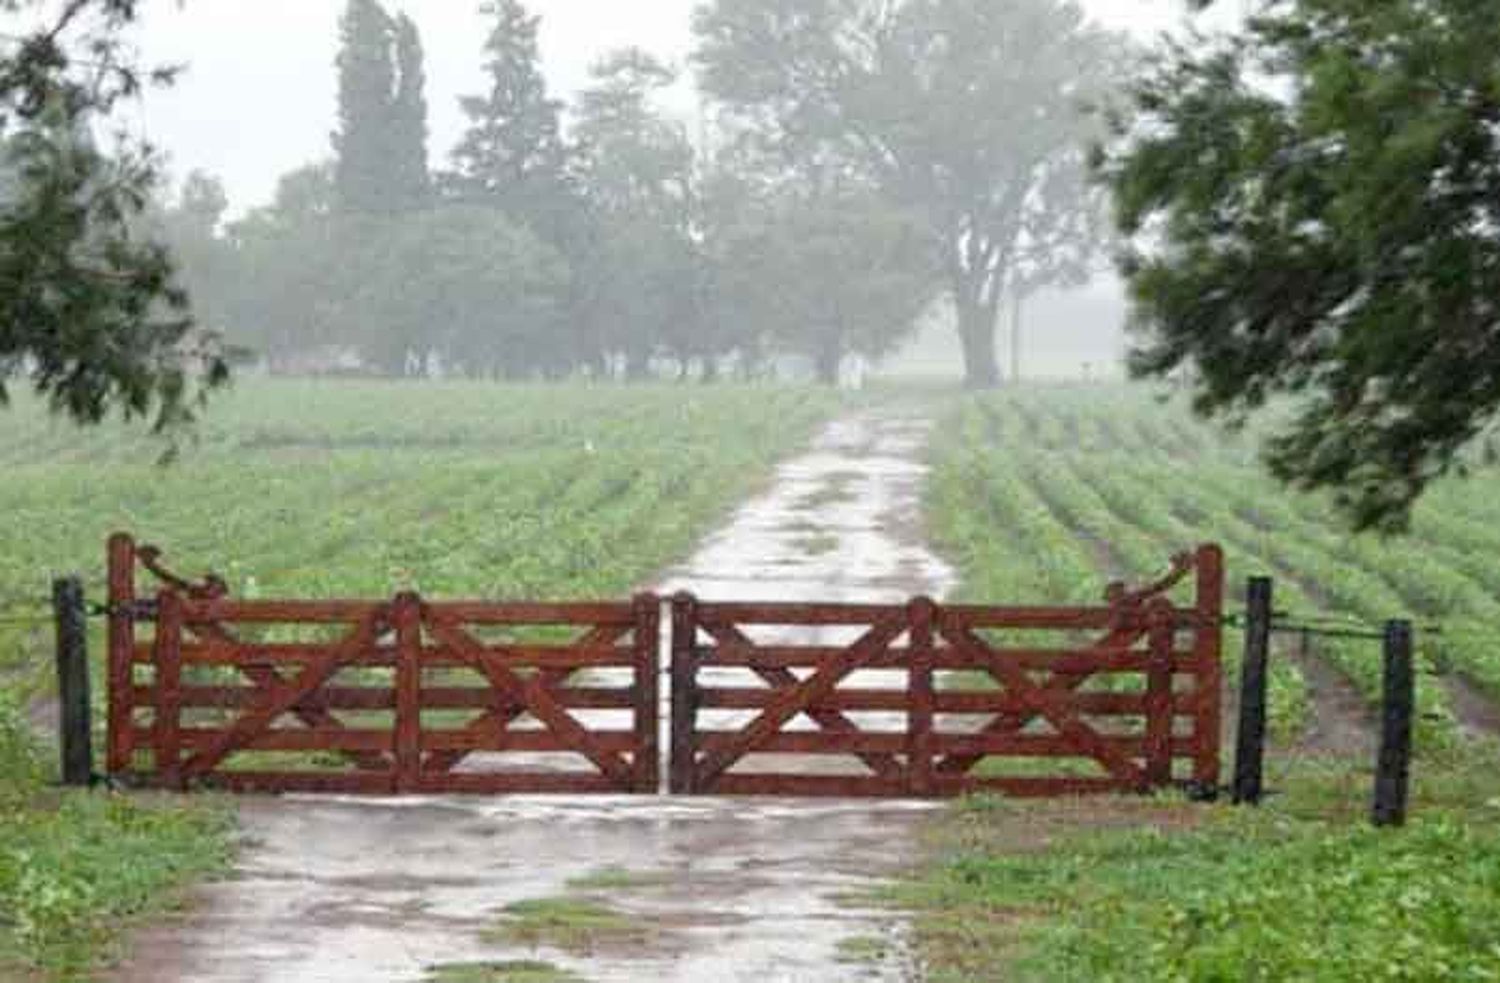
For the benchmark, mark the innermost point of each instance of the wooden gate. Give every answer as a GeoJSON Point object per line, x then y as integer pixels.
{"type": "Point", "coordinates": [407, 695]}
{"type": "Point", "coordinates": [386, 697]}
{"type": "Point", "coordinates": [925, 699]}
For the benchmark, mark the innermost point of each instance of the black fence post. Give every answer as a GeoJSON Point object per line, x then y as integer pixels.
{"type": "Point", "coordinates": [1250, 743]}
{"type": "Point", "coordinates": [1393, 766]}
{"type": "Point", "coordinates": [76, 724]}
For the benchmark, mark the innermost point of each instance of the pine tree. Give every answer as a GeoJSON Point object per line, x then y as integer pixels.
{"type": "Point", "coordinates": [513, 150]}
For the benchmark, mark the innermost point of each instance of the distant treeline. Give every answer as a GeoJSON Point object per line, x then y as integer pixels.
{"type": "Point", "coordinates": [858, 161]}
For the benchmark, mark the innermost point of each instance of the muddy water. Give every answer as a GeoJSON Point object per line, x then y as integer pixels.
{"type": "Point", "coordinates": [332, 889]}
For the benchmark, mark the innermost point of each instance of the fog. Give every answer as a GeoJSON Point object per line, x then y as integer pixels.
{"type": "Point", "coordinates": [672, 216]}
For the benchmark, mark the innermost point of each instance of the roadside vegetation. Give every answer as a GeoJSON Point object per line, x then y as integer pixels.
{"type": "Point", "coordinates": [1045, 494]}
{"type": "Point", "coordinates": [76, 866]}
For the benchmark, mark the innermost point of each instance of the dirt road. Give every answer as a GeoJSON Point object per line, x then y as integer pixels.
{"type": "Point", "coordinates": [365, 891]}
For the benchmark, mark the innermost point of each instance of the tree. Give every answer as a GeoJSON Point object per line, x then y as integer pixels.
{"type": "Point", "coordinates": [380, 144]}
{"type": "Point", "coordinates": [465, 282]}
{"type": "Point", "coordinates": [513, 151]}
{"type": "Point", "coordinates": [1313, 210]}
{"type": "Point", "coordinates": [191, 226]}
{"type": "Point", "coordinates": [963, 110]}
{"type": "Point", "coordinates": [636, 172]}
{"type": "Point", "coordinates": [90, 311]}
{"type": "Point", "coordinates": [828, 271]}
{"type": "Point", "coordinates": [412, 182]}
{"type": "Point", "coordinates": [293, 286]}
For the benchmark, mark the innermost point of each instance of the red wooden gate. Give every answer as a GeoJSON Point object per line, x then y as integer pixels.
{"type": "Point", "coordinates": [407, 695]}
{"type": "Point", "coordinates": [924, 699]}
{"type": "Point", "coordinates": [384, 697]}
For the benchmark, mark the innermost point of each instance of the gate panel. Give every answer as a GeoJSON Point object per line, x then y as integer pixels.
{"type": "Point", "coordinates": [925, 699]}
{"type": "Point", "coordinates": [379, 697]}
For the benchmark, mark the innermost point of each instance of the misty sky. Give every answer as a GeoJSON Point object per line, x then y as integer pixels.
{"type": "Point", "coordinates": [258, 97]}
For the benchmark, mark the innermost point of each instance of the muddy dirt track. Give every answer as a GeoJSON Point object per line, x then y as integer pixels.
{"type": "Point", "coordinates": [365, 891]}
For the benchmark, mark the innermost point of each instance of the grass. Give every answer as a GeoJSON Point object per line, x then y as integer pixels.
{"type": "Point", "coordinates": [1299, 889]}
{"type": "Point", "coordinates": [619, 879]}
{"type": "Point", "coordinates": [863, 949]}
{"type": "Point", "coordinates": [508, 971]}
{"type": "Point", "coordinates": [578, 925]}
{"type": "Point", "coordinates": [78, 867]}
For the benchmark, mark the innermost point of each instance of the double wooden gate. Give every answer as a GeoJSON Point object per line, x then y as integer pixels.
{"type": "Point", "coordinates": [407, 695]}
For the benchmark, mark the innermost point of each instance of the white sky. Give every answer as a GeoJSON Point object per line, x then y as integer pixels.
{"type": "Point", "coordinates": [257, 99]}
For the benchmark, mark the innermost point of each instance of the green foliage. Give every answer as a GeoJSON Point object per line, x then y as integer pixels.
{"type": "Point", "coordinates": [75, 865]}
{"type": "Point", "coordinates": [513, 150]}
{"type": "Point", "coordinates": [1278, 894]}
{"type": "Point", "coordinates": [459, 489]}
{"type": "Point", "coordinates": [853, 274]}
{"type": "Point", "coordinates": [90, 312]}
{"type": "Point", "coordinates": [1095, 484]}
{"type": "Point", "coordinates": [380, 143]}
{"type": "Point", "coordinates": [1312, 203]}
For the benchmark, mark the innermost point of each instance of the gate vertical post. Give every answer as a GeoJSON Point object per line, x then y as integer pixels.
{"type": "Point", "coordinates": [1208, 643]}
{"type": "Point", "coordinates": [647, 643]}
{"type": "Point", "coordinates": [167, 659]}
{"type": "Point", "coordinates": [1250, 740]}
{"type": "Point", "coordinates": [920, 614]}
{"type": "Point", "coordinates": [684, 765]}
{"type": "Point", "coordinates": [76, 723]}
{"type": "Point", "coordinates": [121, 652]}
{"type": "Point", "coordinates": [1393, 766]}
{"type": "Point", "coordinates": [1161, 619]}
{"type": "Point", "coordinates": [406, 613]}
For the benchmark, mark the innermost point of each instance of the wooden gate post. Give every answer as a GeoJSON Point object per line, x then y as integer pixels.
{"type": "Point", "coordinates": [684, 766]}
{"type": "Point", "coordinates": [1250, 741]}
{"type": "Point", "coordinates": [75, 727]}
{"type": "Point", "coordinates": [167, 662]}
{"type": "Point", "coordinates": [1208, 638]}
{"type": "Point", "coordinates": [920, 615]}
{"type": "Point", "coordinates": [1160, 713]}
{"type": "Point", "coordinates": [406, 615]}
{"type": "Point", "coordinates": [121, 675]}
{"type": "Point", "coordinates": [647, 696]}
{"type": "Point", "coordinates": [1398, 694]}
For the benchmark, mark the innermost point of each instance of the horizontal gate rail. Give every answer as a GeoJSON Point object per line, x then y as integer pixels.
{"type": "Point", "coordinates": [916, 699]}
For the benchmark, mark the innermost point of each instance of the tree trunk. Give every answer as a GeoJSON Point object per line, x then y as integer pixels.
{"type": "Point", "coordinates": [1016, 301]}
{"type": "Point", "coordinates": [829, 357]}
{"type": "Point", "coordinates": [976, 328]}
{"type": "Point", "coordinates": [637, 366]}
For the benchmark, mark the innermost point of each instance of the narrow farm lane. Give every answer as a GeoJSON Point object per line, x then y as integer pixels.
{"type": "Point", "coordinates": [662, 889]}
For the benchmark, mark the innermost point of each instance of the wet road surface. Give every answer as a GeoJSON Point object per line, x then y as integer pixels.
{"type": "Point", "coordinates": [764, 890]}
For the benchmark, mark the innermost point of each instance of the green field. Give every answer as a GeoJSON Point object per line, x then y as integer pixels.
{"type": "Point", "coordinates": [328, 490]}
{"type": "Point", "coordinates": [1037, 495]}
{"type": "Point", "coordinates": [1048, 493]}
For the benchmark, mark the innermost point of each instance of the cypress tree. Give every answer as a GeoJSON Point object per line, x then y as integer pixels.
{"type": "Point", "coordinates": [412, 182]}
{"type": "Point", "coordinates": [381, 140]}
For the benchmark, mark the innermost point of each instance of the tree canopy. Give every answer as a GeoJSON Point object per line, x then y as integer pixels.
{"type": "Point", "coordinates": [969, 113]}
{"type": "Point", "coordinates": [1312, 208]}
{"type": "Point", "coordinates": [90, 311]}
